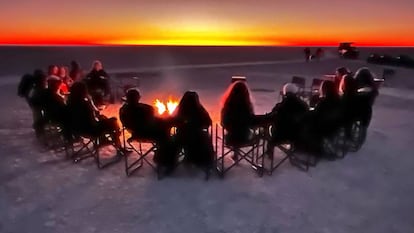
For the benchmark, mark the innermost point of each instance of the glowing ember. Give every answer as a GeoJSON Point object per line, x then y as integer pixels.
{"type": "Point", "coordinates": [169, 107]}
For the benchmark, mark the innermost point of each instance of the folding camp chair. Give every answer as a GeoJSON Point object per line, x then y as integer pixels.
{"type": "Point", "coordinates": [83, 146]}
{"type": "Point", "coordinates": [336, 145]}
{"type": "Point", "coordinates": [206, 170]}
{"type": "Point", "coordinates": [52, 137]}
{"type": "Point", "coordinates": [314, 92]}
{"type": "Point", "coordinates": [289, 152]}
{"type": "Point", "coordinates": [248, 152]}
{"type": "Point", "coordinates": [357, 137]}
{"type": "Point", "coordinates": [300, 82]}
{"type": "Point", "coordinates": [143, 149]}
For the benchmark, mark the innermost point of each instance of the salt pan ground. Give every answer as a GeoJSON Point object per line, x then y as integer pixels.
{"type": "Point", "coordinates": [370, 191]}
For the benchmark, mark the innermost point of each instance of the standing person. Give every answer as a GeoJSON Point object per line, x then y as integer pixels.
{"type": "Point", "coordinates": [307, 54]}
{"type": "Point", "coordinates": [192, 122]}
{"type": "Point", "coordinates": [76, 72]}
{"type": "Point", "coordinates": [319, 53]}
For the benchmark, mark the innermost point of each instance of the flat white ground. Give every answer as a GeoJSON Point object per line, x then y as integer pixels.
{"type": "Point", "coordinates": [368, 191]}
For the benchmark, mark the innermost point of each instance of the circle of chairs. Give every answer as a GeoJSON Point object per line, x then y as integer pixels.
{"type": "Point", "coordinates": [255, 152]}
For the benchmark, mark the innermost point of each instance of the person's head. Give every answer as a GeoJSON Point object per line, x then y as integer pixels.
{"type": "Point", "coordinates": [364, 78]}
{"type": "Point", "coordinates": [97, 65]}
{"type": "Point", "coordinates": [74, 65]}
{"type": "Point", "coordinates": [53, 84]}
{"type": "Point", "coordinates": [78, 91]}
{"type": "Point", "coordinates": [133, 96]}
{"type": "Point", "coordinates": [290, 89]}
{"type": "Point", "coordinates": [38, 73]}
{"type": "Point", "coordinates": [63, 72]}
{"type": "Point", "coordinates": [341, 71]}
{"type": "Point", "coordinates": [237, 94]}
{"type": "Point", "coordinates": [53, 70]}
{"type": "Point", "coordinates": [347, 85]}
{"type": "Point", "coordinates": [328, 90]}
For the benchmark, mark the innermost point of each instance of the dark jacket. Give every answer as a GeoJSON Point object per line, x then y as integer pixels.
{"type": "Point", "coordinates": [98, 79]}
{"type": "Point", "coordinates": [238, 121]}
{"type": "Point", "coordinates": [328, 116]}
{"type": "Point", "coordinates": [287, 118]}
{"type": "Point", "coordinates": [54, 107]}
{"type": "Point", "coordinates": [192, 135]}
{"type": "Point", "coordinates": [139, 118]}
{"type": "Point", "coordinates": [83, 118]}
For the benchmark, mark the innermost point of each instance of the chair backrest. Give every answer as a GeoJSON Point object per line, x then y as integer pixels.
{"type": "Point", "coordinates": [299, 81]}
{"type": "Point", "coordinates": [316, 83]}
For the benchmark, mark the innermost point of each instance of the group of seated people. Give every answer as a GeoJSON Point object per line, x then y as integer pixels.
{"type": "Point", "coordinates": [190, 120]}
{"type": "Point", "coordinates": [97, 80]}
{"type": "Point", "coordinates": [341, 103]}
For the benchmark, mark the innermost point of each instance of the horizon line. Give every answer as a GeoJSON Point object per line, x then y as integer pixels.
{"type": "Point", "coordinates": [191, 45]}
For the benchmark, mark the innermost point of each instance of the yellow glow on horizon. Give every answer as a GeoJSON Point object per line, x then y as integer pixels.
{"type": "Point", "coordinates": [206, 42]}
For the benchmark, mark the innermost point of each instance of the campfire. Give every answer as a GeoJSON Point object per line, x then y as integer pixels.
{"type": "Point", "coordinates": [166, 107]}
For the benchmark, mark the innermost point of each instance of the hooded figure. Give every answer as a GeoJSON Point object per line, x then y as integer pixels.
{"type": "Point", "coordinates": [192, 122]}
{"type": "Point", "coordinates": [287, 116]}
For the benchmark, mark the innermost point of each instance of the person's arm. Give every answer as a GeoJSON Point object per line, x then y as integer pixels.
{"type": "Point", "coordinates": [205, 118]}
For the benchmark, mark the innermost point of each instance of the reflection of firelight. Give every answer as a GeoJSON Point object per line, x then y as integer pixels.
{"type": "Point", "coordinates": [169, 107]}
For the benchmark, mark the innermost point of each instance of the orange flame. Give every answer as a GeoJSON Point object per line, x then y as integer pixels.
{"type": "Point", "coordinates": [169, 107]}
{"type": "Point", "coordinates": [160, 106]}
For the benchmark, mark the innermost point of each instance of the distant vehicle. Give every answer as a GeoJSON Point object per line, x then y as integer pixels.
{"type": "Point", "coordinates": [402, 60]}
{"type": "Point", "coordinates": [347, 51]}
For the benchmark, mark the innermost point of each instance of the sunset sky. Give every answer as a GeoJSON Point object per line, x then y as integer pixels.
{"type": "Point", "coordinates": [209, 22]}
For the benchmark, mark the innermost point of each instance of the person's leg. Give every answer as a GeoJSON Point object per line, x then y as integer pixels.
{"type": "Point", "coordinates": [110, 126]}
{"type": "Point", "coordinates": [38, 121]}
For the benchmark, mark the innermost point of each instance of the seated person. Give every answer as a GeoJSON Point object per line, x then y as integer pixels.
{"type": "Point", "coordinates": [98, 80]}
{"type": "Point", "coordinates": [348, 91]}
{"type": "Point", "coordinates": [287, 116]}
{"type": "Point", "coordinates": [36, 100]}
{"type": "Point", "coordinates": [192, 122]}
{"type": "Point", "coordinates": [237, 115]}
{"type": "Point", "coordinates": [54, 106]}
{"type": "Point", "coordinates": [365, 96]}
{"type": "Point", "coordinates": [140, 119]}
{"type": "Point", "coordinates": [324, 121]}
{"type": "Point", "coordinates": [339, 73]}
{"type": "Point", "coordinates": [66, 80]}
{"type": "Point", "coordinates": [86, 119]}
{"type": "Point", "coordinates": [52, 71]}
